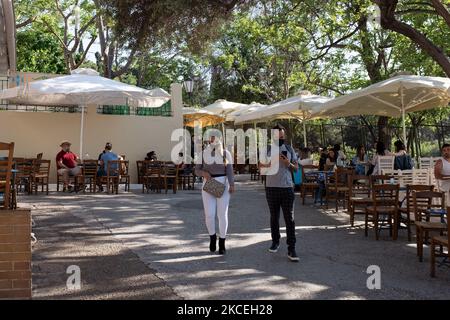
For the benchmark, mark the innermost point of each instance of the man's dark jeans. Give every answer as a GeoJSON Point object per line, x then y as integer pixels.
{"type": "Point", "coordinates": [282, 198]}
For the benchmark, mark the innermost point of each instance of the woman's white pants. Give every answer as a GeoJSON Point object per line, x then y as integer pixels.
{"type": "Point", "coordinates": [217, 206]}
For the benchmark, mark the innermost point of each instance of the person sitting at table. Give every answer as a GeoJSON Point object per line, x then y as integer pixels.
{"type": "Point", "coordinates": [305, 156]}
{"type": "Point", "coordinates": [67, 164]}
{"type": "Point", "coordinates": [340, 155]}
{"type": "Point", "coordinates": [360, 160]}
{"type": "Point", "coordinates": [380, 151]}
{"type": "Point", "coordinates": [442, 172]}
{"type": "Point", "coordinates": [151, 156]}
{"type": "Point", "coordinates": [403, 160]}
{"type": "Point", "coordinates": [331, 158]}
{"type": "Point", "coordinates": [107, 156]}
{"type": "Point", "coordinates": [323, 158]}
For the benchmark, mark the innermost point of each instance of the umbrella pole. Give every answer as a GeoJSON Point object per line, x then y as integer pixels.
{"type": "Point", "coordinates": [81, 132]}
{"type": "Point", "coordinates": [403, 116]}
{"type": "Point", "coordinates": [256, 141]}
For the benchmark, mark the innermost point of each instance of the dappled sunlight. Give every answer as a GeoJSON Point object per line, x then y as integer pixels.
{"type": "Point", "coordinates": [168, 233]}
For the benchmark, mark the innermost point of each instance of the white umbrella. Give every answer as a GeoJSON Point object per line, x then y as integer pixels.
{"type": "Point", "coordinates": [300, 107]}
{"type": "Point", "coordinates": [222, 108]}
{"type": "Point", "coordinates": [393, 97]}
{"type": "Point", "coordinates": [192, 116]}
{"type": "Point", "coordinates": [242, 110]}
{"type": "Point", "coordinates": [84, 87]}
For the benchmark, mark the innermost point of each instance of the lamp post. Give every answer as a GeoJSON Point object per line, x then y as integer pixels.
{"type": "Point", "coordinates": [189, 87]}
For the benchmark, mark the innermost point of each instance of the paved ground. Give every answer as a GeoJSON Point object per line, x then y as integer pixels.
{"type": "Point", "coordinates": [111, 235]}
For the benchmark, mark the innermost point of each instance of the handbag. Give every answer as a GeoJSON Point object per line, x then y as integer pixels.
{"type": "Point", "coordinates": [214, 187]}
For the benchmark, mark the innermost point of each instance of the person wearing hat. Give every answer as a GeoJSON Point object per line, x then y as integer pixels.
{"type": "Point", "coordinates": [67, 164]}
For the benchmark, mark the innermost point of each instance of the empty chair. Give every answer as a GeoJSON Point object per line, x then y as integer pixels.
{"type": "Point", "coordinates": [440, 241]}
{"type": "Point", "coordinates": [359, 196]}
{"type": "Point", "coordinates": [338, 187]}
{"type": "Point", "coordinates": [90, 169]}
{"type": "Point", "coordinates": [385, 206]}
{"type": "Point", "coordinates": [40, 176]}
{"type": "Point", "coordinates": [426, 205]}
{"type": "Point", "coordinates": [169, 176]}
{"type": "Point", "coordinates": [385, 163]}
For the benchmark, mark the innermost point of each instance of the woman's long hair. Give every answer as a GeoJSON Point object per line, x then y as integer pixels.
{"type": "Point", "coordinates": [380, 148]}
{"type": "Point", "coordinates": [358, 153]}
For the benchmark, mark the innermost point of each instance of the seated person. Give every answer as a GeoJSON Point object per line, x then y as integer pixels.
{"type": "Point", "coordinates": [402, 160]}
{"type": "Point", "coordinates": [340, 155]}
{"type": "Point", "coordinates": [442, 172]}
{"type": "Point", "coordinates": [380, 152]}
{"type": "Point", "coordinates": [107, 156]}
{"type": "Point", "coordinates": [305, 156]}
{"type": "Point", "coordinates": [331, 158]}
{"type": "Point", "coordinates": [360, 160]}
{"type": "Point", "coordinates": [323, 159]}
{"type": "Point", "coordinates": [151, 156]}
{"type": "Point", "coordinates": [67, 164]}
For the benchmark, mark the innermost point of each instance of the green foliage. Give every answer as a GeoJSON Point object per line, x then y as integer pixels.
{"type": "Point", "coordinates": [38, 52]}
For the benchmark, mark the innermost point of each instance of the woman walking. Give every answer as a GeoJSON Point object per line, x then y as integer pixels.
{"type": "Point", "coordinates": [216, 164]}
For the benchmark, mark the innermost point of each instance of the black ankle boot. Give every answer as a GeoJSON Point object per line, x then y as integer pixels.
{"type": "Point", "coordinates": [212, 243]}
{"type": "Point", "coordinates": [222, 246]}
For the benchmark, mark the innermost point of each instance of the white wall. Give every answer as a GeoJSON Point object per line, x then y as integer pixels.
{"type": "Point", "coordinates": [133, 136]}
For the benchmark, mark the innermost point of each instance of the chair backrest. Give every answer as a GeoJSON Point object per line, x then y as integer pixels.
{"type": "Point", "coordinates": [307, 168]}
{"type": "Point", "coordinates": [5, 173]}
{"type": "Point", "coordinates": [113, 168]}
{"type": "Point", "coordinates": [385, 195]}
{"type": "Point", "coordinates": [343, 177]}
{"type": "Point", "coordinates": [39, 156]}
{"type": "Point", "coordinates": [383, 179]}
{"type": "Point", "coordinates": [169, 169]}
{"type": "Point", "coordinates": [425, 200]}
{"type": "Point", "coordinates": [410, 190]}
{"type": "Point", "coordinates": [124, 167]}
{"type": "Point", "coordinates": [406, 177]}
{"type": "Point", "coordinates": [421, 176]}
{"type": "Point", "coordinates": [151, 168]}
{"type": "Point", "coordinates": [360, 185]}
{"type": "Point", "coordinates": [44, 167]}
{"type": "Point", "coordinates": [385, 162]}
{"type": "Point", "coordinates": [427, 162]}
{"type": "Point", "coordinates": [90, 168]}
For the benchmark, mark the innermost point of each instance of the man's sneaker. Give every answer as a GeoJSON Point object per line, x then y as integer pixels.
{"type": "Point", "coordinates": [274, 247]}
{"type": "Point", "coordinates": [292, 255]}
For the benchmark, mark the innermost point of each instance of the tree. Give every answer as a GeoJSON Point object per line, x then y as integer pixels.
{"type": "Point", "coordinates": [399, 16]}
{"type": "Point", "coordinates": [38, 51]}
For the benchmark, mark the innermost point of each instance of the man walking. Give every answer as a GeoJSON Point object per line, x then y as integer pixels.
{"type": "Point", "coordinates": [280, 191]}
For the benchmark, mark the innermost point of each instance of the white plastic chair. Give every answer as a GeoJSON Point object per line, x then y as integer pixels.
{"type": "Point", "coordinates": [385, 163]}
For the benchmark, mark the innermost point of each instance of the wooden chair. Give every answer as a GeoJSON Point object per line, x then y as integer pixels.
{"type": "Point", "coordinates": [90, 170]}
{"type": "Point", "coordinates": [406, 212]}
{"type": "Point", "coordinates": [151, 179]}
{"type": "Point", "coordinates": [441, 241]}
{"type": "Point", "coordinates": [427, 162]}
{"type": "Point", "coordinates": [6, 175]}
{"type": "Point", "coordinates": [112, 177]}
{"type": "Point", "coordinates": [309, 183]}
{"type": "Point", "coordinates": [40, 176]}
{"type": "Point", "coordinates": [424, 203]}
{"type": "Point", "coordinates": [24, 167]}
{"type": "Point", "coordinates": [77, 181]}
{"type": "Point", "coordinates": [383, 179]}
{"type": "Point", "coordinates": [169, 176]}
{"type": "Point", "coordinates": [140, 170]}
{"type": "Point", "coordinates": [186, 178]}
{"type": "Point", "coordinates": [385, 163]}
{"type": "Point", "coordinates": [339, 187]}
{"type": "Point", "coordinates": [124, 175]}
{"type": "Point", "coordinates": [359, 197]}
{"type": "Point", "coordinates": [254, 172]}
{"type": "Point", "coordinates": [384, 203]}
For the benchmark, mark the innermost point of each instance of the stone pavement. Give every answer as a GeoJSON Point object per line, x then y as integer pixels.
{"type": "Point", "coordinates": [113, 236]}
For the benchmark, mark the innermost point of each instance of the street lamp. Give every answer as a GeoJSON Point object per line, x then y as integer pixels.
{"type": "Point", "coordinates": [189, 87]}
